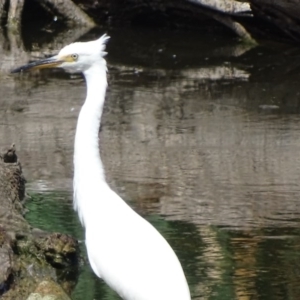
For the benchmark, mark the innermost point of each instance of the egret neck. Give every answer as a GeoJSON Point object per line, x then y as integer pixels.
{"type": "Point", "coordinates": [87, 161]}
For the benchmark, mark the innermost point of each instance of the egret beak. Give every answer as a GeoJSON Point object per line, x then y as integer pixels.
{"type": "Point", "coordinates": [51, 62]}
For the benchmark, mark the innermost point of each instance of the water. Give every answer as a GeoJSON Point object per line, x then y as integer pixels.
{"type": "Point", "coordinates": [200, 135]}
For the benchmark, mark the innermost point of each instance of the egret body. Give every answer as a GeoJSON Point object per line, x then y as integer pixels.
{"type": "Point", "coordinates": [125, 250]}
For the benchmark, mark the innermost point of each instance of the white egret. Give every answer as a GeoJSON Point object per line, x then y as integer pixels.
{"type": "Point", "coordinates": [125, 250]}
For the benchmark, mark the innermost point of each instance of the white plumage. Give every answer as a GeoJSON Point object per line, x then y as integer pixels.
{"type": "Point", "coordinates": [125, 250]}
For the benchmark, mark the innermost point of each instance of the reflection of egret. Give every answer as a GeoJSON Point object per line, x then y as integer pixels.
{"type": "Point", "coordinates": [123, 248]}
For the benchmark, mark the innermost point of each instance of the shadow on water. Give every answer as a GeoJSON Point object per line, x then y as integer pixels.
{"type": "Point", "coordinates": [200, 135]}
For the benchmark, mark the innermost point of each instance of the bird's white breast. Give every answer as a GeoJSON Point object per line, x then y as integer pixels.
{"type": "Point", "coordinates": [131, 255]}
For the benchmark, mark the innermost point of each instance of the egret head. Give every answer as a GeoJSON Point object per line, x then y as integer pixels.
{"type": "Point", "coordinates": [74, 58]}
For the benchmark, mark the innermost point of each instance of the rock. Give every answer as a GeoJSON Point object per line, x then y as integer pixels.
{"type": "Point", "coordinates": [59, 249]}
{"type": "Point", "coordinates": [12, 193]}
{"type": "Point", "coordinates": [6, 261]}
{"type": "Point", "coordinates": [28, 256]}
{"type": "Point", "coordinates": [48, 290]}
{"type": "Point", "coordinates": [9, 156]}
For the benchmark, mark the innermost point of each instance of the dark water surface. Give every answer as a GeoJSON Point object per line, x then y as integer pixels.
{"type": "Point", "coordinates": [200, 134]}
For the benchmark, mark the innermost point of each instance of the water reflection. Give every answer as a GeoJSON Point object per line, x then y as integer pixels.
{"type": "Point", "coordinates": [202, 141]}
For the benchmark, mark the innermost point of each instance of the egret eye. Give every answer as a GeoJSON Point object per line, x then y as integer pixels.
{"type": "Point", "coordinates": [74, 56]}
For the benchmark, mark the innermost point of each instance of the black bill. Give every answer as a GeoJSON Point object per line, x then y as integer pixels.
{"type": "Point", "coordinates": [51, 62]}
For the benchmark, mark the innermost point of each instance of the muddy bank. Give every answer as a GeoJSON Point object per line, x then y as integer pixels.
{"type": "Point", "coordinates": [28, 256]}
